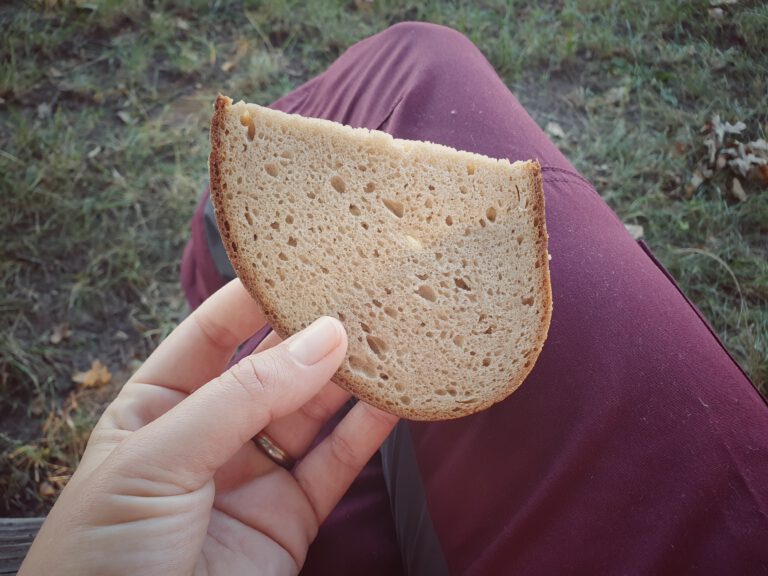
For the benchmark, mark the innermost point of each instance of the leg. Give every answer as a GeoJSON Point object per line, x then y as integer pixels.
{"type": "Point", "coordinates": [636, 444]}
{"type": "Point", "coordinates": [634, 411]}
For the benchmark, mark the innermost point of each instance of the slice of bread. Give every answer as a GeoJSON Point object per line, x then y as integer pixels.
{"type": "Point", "coordinates": [435, 260]}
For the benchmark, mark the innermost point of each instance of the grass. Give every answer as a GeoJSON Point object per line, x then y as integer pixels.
{"type": "Point", "coordinates": [103, 151]}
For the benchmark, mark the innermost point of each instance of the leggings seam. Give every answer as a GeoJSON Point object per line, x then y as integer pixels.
{"type": "Point", "coordinates": [567, 172]}
{"type": "Point", "coordinates": [578, 182]}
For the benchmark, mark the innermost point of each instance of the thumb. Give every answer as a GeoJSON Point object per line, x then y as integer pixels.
{"type": "Point", "coordinates": [198, 435]}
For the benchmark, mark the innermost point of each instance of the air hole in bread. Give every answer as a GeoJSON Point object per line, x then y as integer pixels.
{"type": "Point", "coordinates": [422, 276]}
{"type": "Point", "coordinates": [394, 206]}
{"type": "Point", "coordinates": [491, 214]}
{"type": "Point", "coordinates": [289, 219]}
{"type": "Point", "coordinates": [451, 391]}
{"type": "Point", "coordinates": [341, 316]}
{"type": "Point", "coordinates": [470, 169]}
{"type": "Point", "coordinates": [311, 195]}
{"type": "Point", "coordinates": [405, 400]}
{"type": "Point", "coordinates": [365, 327]}
{"type": "Point", "coordinates": [449, 220]}
{"type": "Point", "coordinates": [364, 225]}
{"type": "Point", "coordinates": [438, 255]}
{"type": "Point", "coordinates": [486, 361]}
{"type": "Point", "coordinates": [482, 222]}
{"type": "Point", "coordinates": [270, 282]}
{"type": "Point", "coordinates": [272, 169]}
{"type": "Point", "coordinates": [383, 376]}
{"type": "Point", "coordinates": [282, 257]}
{"type": "Point", "coordinates": [362, 366]}
{"type": "Point", "coordinates": [520, 240]}
{"type": "Point", "coordinates": [354, 210]}
{"type": "Point", "coordinates": [292, 241]}
{"type": "Point", "coordinates": [370, 187]}
{"type": "Point", "coordinates": [528, 301]}
{"type": "Point", "coordinates": [377, 345]}
{"type": "Point", "coordinates": [287, 154]}
{"type": "Point", "coordinates": [458, 340]}
{"type": "Point", "coordinates": [427, 292]}
{"type": "Point", "coordinates": [432, 189]}
{"type": "Point", "coordinates": [338, 184]}
{"type": "Point", "coordinates": [275, 225]}
{"type": "Point", "coordinates": [246, 120]}
{"type": "Point", "coordinates": [460, 283]}
{"type": "Point", "coordinates": [391, 312]}
{"type": "Point", "coordinates": [248, 218]}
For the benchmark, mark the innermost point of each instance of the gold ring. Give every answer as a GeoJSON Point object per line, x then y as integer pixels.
{"type": "Point", "coordinates": [273, 451]}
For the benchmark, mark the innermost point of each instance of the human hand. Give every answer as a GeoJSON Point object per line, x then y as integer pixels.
{"type": "Point", "coordinates": [170, 482]}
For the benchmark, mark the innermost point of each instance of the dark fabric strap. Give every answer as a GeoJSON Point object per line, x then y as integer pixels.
{"type": "Point", "coordinates": [416, 536]}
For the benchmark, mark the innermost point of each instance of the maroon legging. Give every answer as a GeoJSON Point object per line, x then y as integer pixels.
{"type": "Point", "coordinates": [636, 445]}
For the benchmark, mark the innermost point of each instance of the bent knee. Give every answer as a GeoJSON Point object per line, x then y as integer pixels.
{"type": "Point", "coordinates": [430, 42]}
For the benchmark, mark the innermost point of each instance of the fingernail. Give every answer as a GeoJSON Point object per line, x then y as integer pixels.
{"type": "Point", "coordinates": [315, 342]}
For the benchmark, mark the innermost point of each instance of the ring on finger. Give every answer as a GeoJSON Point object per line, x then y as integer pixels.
{"type": "Point", "coordinates": [274, 452]}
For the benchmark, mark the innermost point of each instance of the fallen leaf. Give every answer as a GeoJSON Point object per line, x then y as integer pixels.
{"type": "Point", "coordinates": [762, 174]}
{"type": "Point", "coordinates": [616, 95]}
{"type": "Point", "coordinates": [555, 130]}
{"type": "Point", "coordinates": [45, 490]}
{"type": "Point", "coordinates": [738, 191]}
{"type": "Point", "coordinates": [96, 377]}
{"type": "Point", "coordinates": [95, 152]}
{"type": "Point", "coordinates": [721, 162]}
{"type": "Point", "coordinates": [635, 230]}
{"type": "Point", "coordinates": [697, 179]}
{"type": "Point", "coordinates": [364, 5]}
{"type": "Point", "coordinates": [125, 117]}
{"type": "Point", "coordinates": [43, 110]}
{"type": "Point", "coordinates": [60, 332]}
{"type": "Point", "coordinates": [241, 49]}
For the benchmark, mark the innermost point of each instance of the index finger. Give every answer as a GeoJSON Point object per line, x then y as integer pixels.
{"type": "Point", "coordinates": [199, 349]}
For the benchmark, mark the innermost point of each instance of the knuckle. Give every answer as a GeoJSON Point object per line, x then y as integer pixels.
{"type": "Point", "coordinates": [343, 451]}
{"type": "Point", "coordinates": [317, 410]}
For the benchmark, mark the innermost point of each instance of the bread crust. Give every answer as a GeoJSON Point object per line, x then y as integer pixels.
{"type": "Point", "coordinates": [346, 379]}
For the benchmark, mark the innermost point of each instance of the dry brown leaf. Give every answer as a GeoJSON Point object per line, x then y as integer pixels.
{"type": "Point", "coordinates": [96, 377]}
{"type": "Point", "coordinates": [241, 49]}
{"type": "Point", "coordinates": [60, 332]}
{"type": "Point", "coordinates": [45, 490]}
{"type": "Point", "coordinates": [365, 6]}
{"type": "Point", "coordinates": [738, 191]}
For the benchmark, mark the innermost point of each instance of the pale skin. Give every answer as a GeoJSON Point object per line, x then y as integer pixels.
{"type": "Point", "coordinates": [170, 482]}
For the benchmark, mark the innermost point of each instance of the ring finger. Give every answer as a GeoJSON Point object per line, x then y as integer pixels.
{"type": "Point", "coordinates": [295, 432]}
